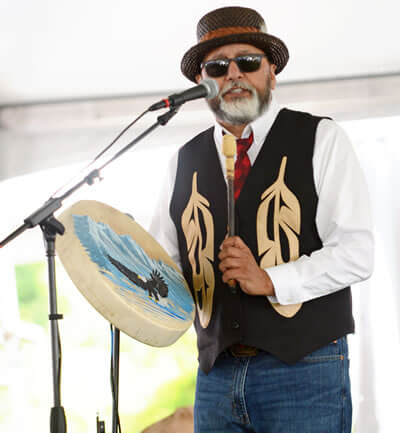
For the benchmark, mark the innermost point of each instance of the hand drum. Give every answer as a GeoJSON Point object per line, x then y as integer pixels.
{"type": "Point", "coordinates": [124, 273]}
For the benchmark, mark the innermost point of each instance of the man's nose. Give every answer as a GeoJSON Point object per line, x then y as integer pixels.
{"type": "Point", "coordinates": [233, 72]}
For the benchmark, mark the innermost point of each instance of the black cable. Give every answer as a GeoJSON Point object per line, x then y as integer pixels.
{"type": "Point", "coordinates": [59, 360]}
{"type": "Point", "coordinates": [112, 369]}
{"type": "Point", "coordinates": [101, 153]}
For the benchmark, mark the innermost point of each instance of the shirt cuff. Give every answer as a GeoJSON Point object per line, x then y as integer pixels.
{"type": "Point", "coordinates": [286, 283]}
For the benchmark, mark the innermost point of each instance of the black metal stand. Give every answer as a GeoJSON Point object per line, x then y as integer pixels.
{"type": "Point", "coordinates": [44, 216]}
{"type": "Point", "coordinates": [50, 228]}
{"type": "Point", "coordinates": [115, 376]}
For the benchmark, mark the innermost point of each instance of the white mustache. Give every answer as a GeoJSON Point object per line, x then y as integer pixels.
{"type": "Point", "coordinates": [237, 84]}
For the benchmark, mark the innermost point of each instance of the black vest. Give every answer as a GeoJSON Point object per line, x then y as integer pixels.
{"type": "Point", "coordinates": [280, 183]}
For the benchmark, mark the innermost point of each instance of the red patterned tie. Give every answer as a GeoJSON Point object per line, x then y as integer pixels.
{"type": "Point", "coordinates": [242, 164]}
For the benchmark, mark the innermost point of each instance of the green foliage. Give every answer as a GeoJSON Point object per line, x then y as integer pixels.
{"type": "Point", "coordinates": [32, 289]}
{"type": "Point", "coordinates": [32, 292]}
{"type": "Point", "coordinates": [177, 393]}
{"type": "Point", "coordinates": [170, 396]}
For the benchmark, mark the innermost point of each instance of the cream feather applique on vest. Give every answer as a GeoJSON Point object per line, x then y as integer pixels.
{"type": "Point", "coordinates": [286, 213]}
{"type": "Point", "coordinates": [200, 246]}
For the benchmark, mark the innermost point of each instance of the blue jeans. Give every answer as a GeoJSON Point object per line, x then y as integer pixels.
{"type": "Point", "coordinates": [261, 394]}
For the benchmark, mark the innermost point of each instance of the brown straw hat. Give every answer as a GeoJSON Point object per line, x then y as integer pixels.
{"type": "Point", "coordinates": [231, 25]}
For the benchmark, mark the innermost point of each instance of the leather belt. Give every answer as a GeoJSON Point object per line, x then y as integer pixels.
{"type": "Point", "coordinates": [242, 350]}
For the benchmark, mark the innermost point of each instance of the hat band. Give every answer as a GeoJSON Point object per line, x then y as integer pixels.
{"type": "Point", "coordinates": [225, 31]}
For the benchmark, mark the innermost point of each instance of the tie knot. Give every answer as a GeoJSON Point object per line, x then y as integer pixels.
{"type": "Point", "coordinates": [243, 144]}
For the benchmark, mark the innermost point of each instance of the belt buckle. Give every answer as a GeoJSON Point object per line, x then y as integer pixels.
{"type": "Point", "coordinates": [243, 350]}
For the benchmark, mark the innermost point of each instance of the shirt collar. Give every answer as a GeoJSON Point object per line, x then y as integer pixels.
{"type": "Point", "coordinates": [260, 128]}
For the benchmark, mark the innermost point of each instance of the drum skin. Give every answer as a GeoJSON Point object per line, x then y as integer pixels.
{"type": "Point", "coordinates": [124, 273]}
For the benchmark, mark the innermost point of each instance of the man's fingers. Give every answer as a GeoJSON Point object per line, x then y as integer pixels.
{"type": "Point", "coordinates": [230, 252]}
{"type": "Point", "coordinates": [237, 263]}
{"type": "Point", "coordinates": [229, 263]}
{"type": "Point", "coordinates": [233, 241]}
{"type": "Point", "coordinates": [232, 274]}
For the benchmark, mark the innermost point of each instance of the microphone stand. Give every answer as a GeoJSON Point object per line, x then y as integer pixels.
{"type": "Point", "coordinates": [50, 227]}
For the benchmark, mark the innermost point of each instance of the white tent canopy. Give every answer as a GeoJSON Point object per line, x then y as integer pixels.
{"type": "Point", "coordinates": [75, 73]}
{"type": "Point", "coordinates": [54, 50]}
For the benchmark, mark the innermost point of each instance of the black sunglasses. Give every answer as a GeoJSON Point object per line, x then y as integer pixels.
{"type": "Point", "coordinates": [246, 63]}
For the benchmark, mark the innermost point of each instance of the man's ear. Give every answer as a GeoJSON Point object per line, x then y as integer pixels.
{"type": "Point", "coordinates": [198, 78]}
{"type": "Point", "coordinates": [273, 76]}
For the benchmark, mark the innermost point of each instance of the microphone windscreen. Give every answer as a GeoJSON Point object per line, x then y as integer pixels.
{"type": "Point", "coordinates": [211, 87]}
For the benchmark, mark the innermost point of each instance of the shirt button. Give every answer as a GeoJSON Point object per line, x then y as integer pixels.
{"type": "Point", "coordinates": [235, 325]}
{"type": "Point", "coordinates": [234, 290]}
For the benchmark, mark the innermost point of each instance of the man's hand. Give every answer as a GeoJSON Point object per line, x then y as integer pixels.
{"type": "Point", "coordinates": [238, 263]}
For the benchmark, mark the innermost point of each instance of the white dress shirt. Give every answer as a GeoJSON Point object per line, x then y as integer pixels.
{"type": "Point", "coordinates": [343, 216]}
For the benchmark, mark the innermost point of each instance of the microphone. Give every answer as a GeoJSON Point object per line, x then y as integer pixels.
{"type": "Point", "coordinates": [207, 88]}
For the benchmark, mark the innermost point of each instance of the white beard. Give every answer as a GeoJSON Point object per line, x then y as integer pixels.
{"type": "Point", "coordinates": [239, 111]}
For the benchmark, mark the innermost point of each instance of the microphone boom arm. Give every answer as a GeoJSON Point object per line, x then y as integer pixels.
{"type": "Point", "coordinates": [54, 203]}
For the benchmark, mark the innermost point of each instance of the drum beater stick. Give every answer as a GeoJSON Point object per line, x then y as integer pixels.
{"type": "Point", "coordinates": [229, 151]}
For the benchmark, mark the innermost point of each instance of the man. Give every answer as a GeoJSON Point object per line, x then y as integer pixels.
{"type": "Point", "coordinates": [272, 349]}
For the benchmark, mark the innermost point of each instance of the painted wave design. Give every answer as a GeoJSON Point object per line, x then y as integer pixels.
{"type": "Point", "coordinates": [99, 240]}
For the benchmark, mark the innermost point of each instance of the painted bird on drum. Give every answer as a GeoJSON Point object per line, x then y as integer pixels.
{"type": "Point", "coordinates": [155, 284]}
